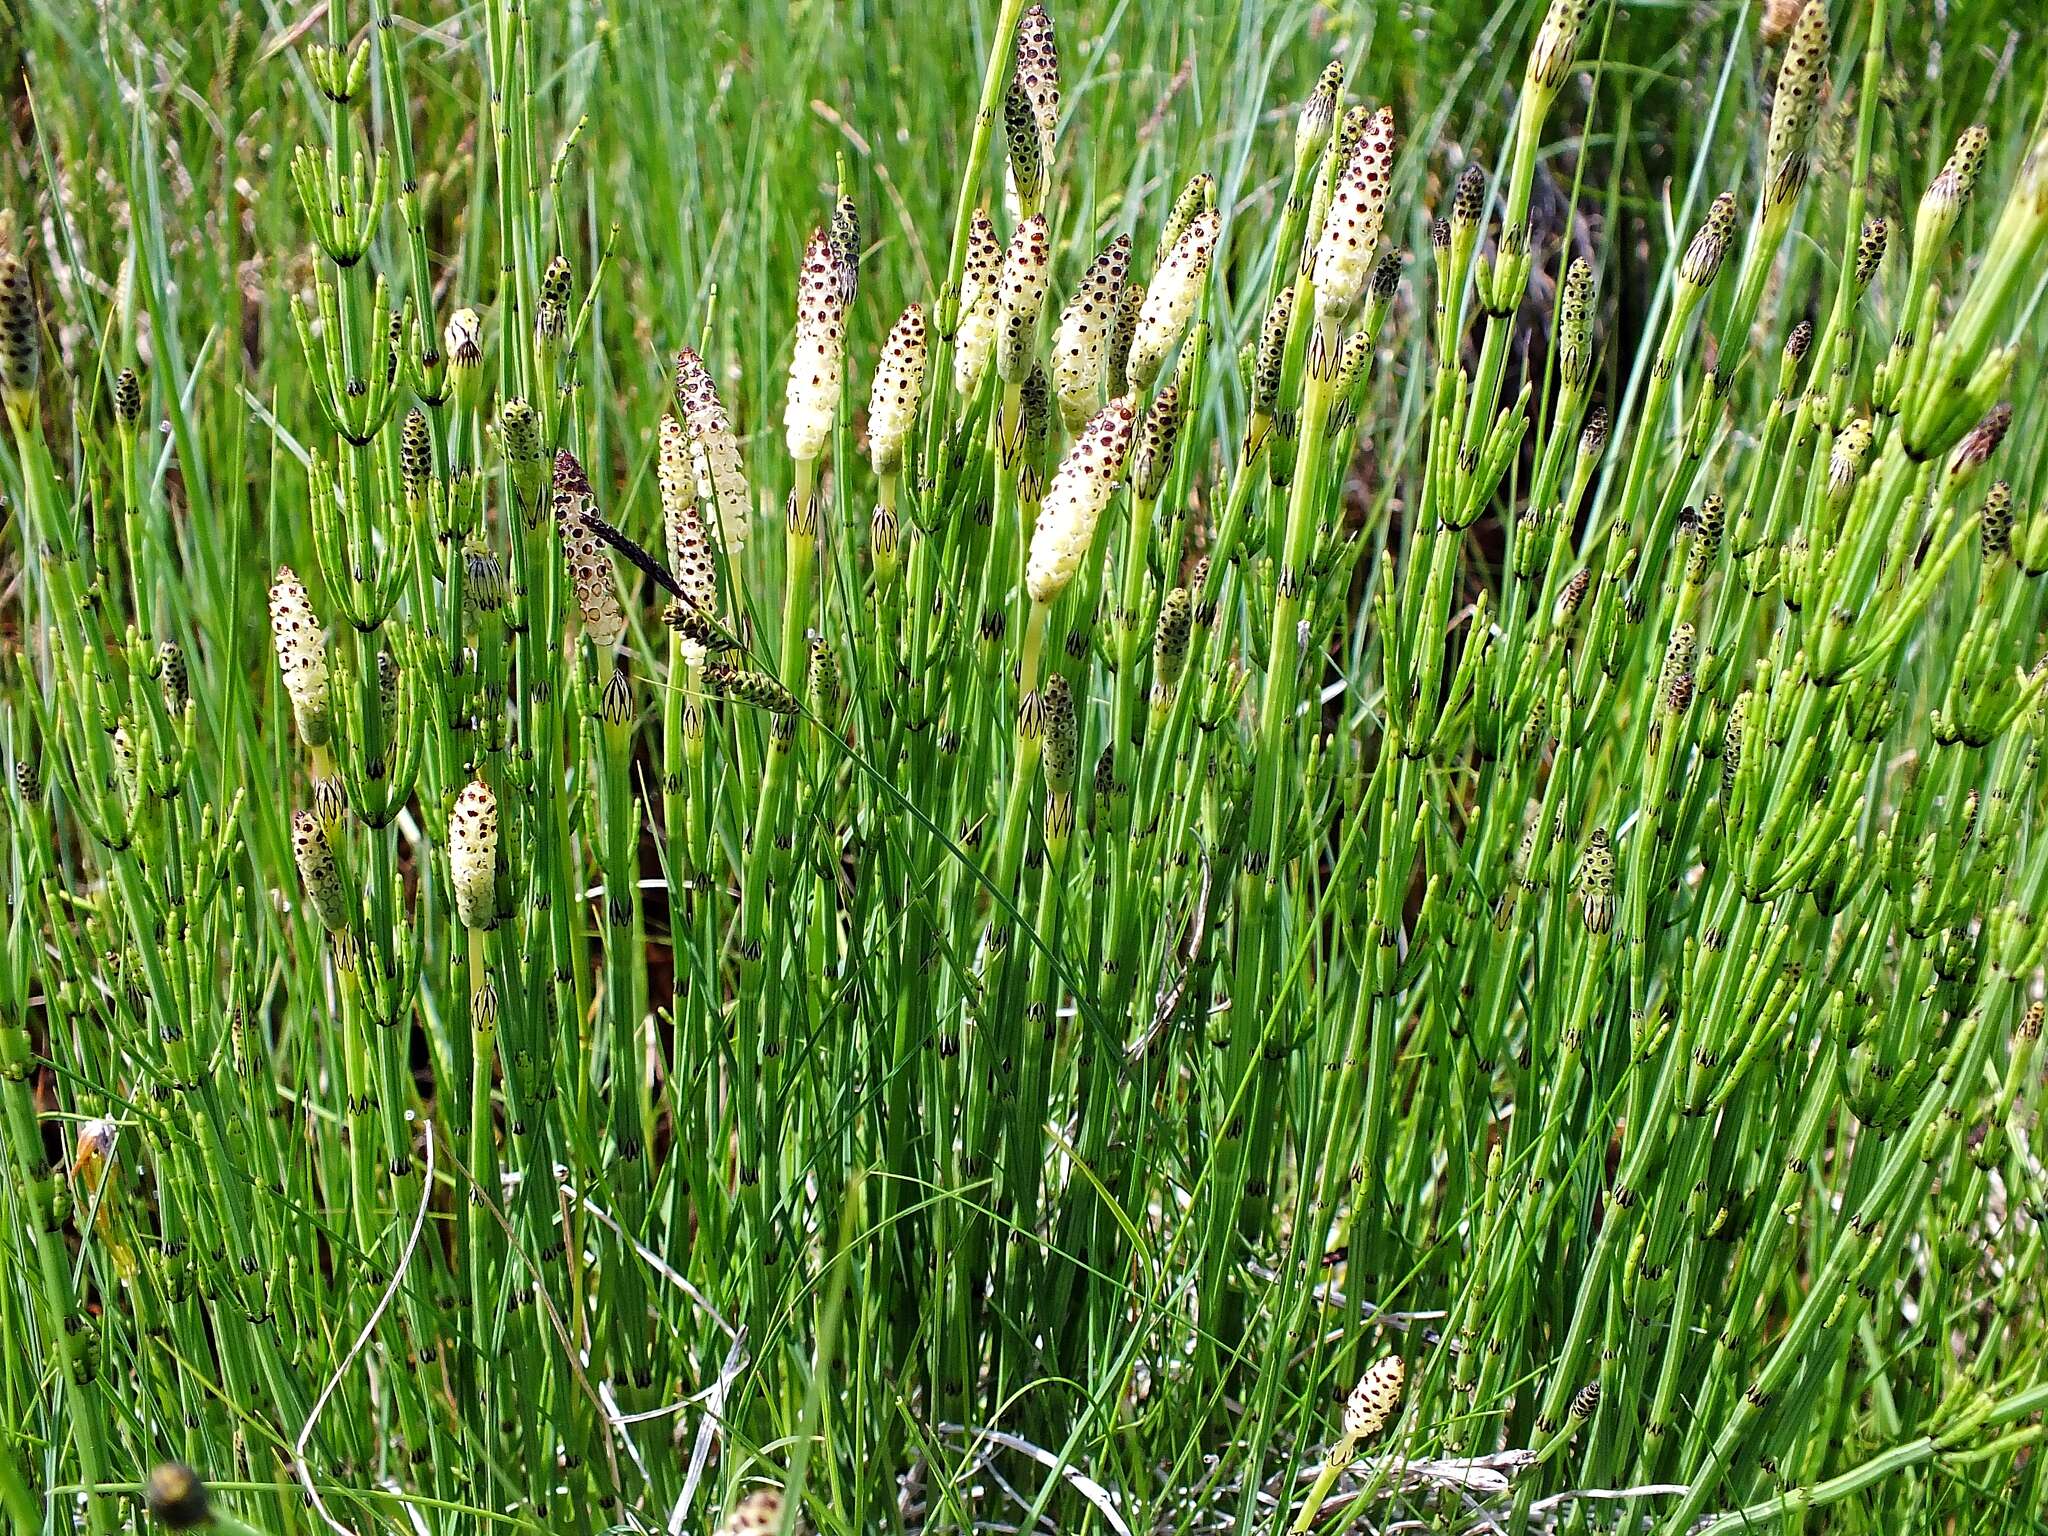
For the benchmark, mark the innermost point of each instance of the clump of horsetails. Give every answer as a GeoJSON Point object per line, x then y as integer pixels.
{"type": "Point", "coordinates": [1236, 855]}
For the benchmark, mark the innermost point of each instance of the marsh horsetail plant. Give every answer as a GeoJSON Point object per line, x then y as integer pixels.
{"type": "Point", "coordinates": [758, 782]}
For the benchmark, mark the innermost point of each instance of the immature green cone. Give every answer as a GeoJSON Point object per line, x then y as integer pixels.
{"type": "Point", "coordinates": [1709, 248]}
{"type": "Point", "coordinates": [1080, 345]}
{"type": "Point", "coordinates": [1104, 779]}
{"type": "Point", "coordinates": [1037, 76]}
{"type": "Point", "coordinates": [519, 439]}
{"type": "Point", "coordinates": [1170, 642]}
{"type": "Point", "coordinates": [301, 657]}
{"type": "Point", "coordinates": [1351, 230]}
{"type": "Point", "coordinates": [396, 334]}
{"type": "Point", "coordinates": [811, 401]}
{"type": "Point", "coordinates": [1034, 399]}
{"type": "Point", "coordinates": [415, 455]}
{"type": "Point", "coordinates": [1312, 128]}
{"type": "Point", "coordinates": [1575, 327]}
{"type": "Point", "coordinates": [1074, 501]}
{"type": "Point", "coordinates": [1380, 290]}
{"type": "Point", "coordinates": [1846, 459]}
{"type": "Point", "coordinates": [1593, 436]}
{"type": "Point", "coordinates": [689, 554]}
{"type": "Point", "coordinates": [462, 343]}
{"type": "Point", "coordinates": [1557, 44]}
{"type": "Point", "coordinates": [750, 687]}
{"type": "Point", "coordinates": [1061, 750]}
{"type": "Point", "coordinates": [21, 337]}
{"type": "Point", "coordinates": [975, 333]}
{"type": "Point", "coordinates": [1059, 732]}
{"type": "Point", "coordinates": [473, 855]}
{"type": "Point", "coordinates": [1269, 362]}
{"type": "Point", "coordinates": [821, 681]}
{"type": "Point", "coordinates": [1675, 680]}
{"type": "Point", "coordinates": [551, 314]}
{"type": "Point", "coordinates": [1372, 1403]}
{"type": "Point", "coordinates": [1468, 201]}
{"type": "Point", "coordinates": [387, 689]}
{"type": "Point", "coordinates": [1708, 530]}
{"type": "Point", "coordinates": [843, 235]}
{"type": "Point", "coordinates": [714, 453]}
{"type": "Point", "coordinates": [1529, 547]}
{"type": "Point", "coordinates": [1020, 295]}
{"type": "Point", "coordinates": [173, 677]}
{"type": "Point", "coordinates": [1352, 360]}
{"type": "Point", "coordinates": [176, 1498]}
{"type": "Point", "coordinates": [127, 399]}
{"type": "Point", "coordinates": [127, 766]}
{"type": "Point", "coordinates": [1170, 300]}
{"type": "Point", "coordinates": [1122, 331]}
{"type": "Point", "coordinates": [1731, 742]}
{"type": "Point", "coordinates": [1027, 151]}
{"type": "Point", "coordinates": [1942, 203]}
{"type": "Point", "coordinates": [1801, 78]}
{"type": "Point", "coordinates": [1185, 208]}
{"type": "Point", "coordinates": [1870, 247]}
{"type": "Point", "coordinates": [1351, 132]}
{"type": "Point", "coordinates": [1152, 454]}
{"type": "Point", "coordinates": [1596, 883]}
{"type": "Point", "coordinates": [318, 872]}
{"type": "Point", "coordinates": [899, 384]}
{"type": "Point", "coordinates": [1797, 345]}
{"type": "Point", "coordinates": [584, 554]}
{"type": "Point", "coordinates": [1994, 523]}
